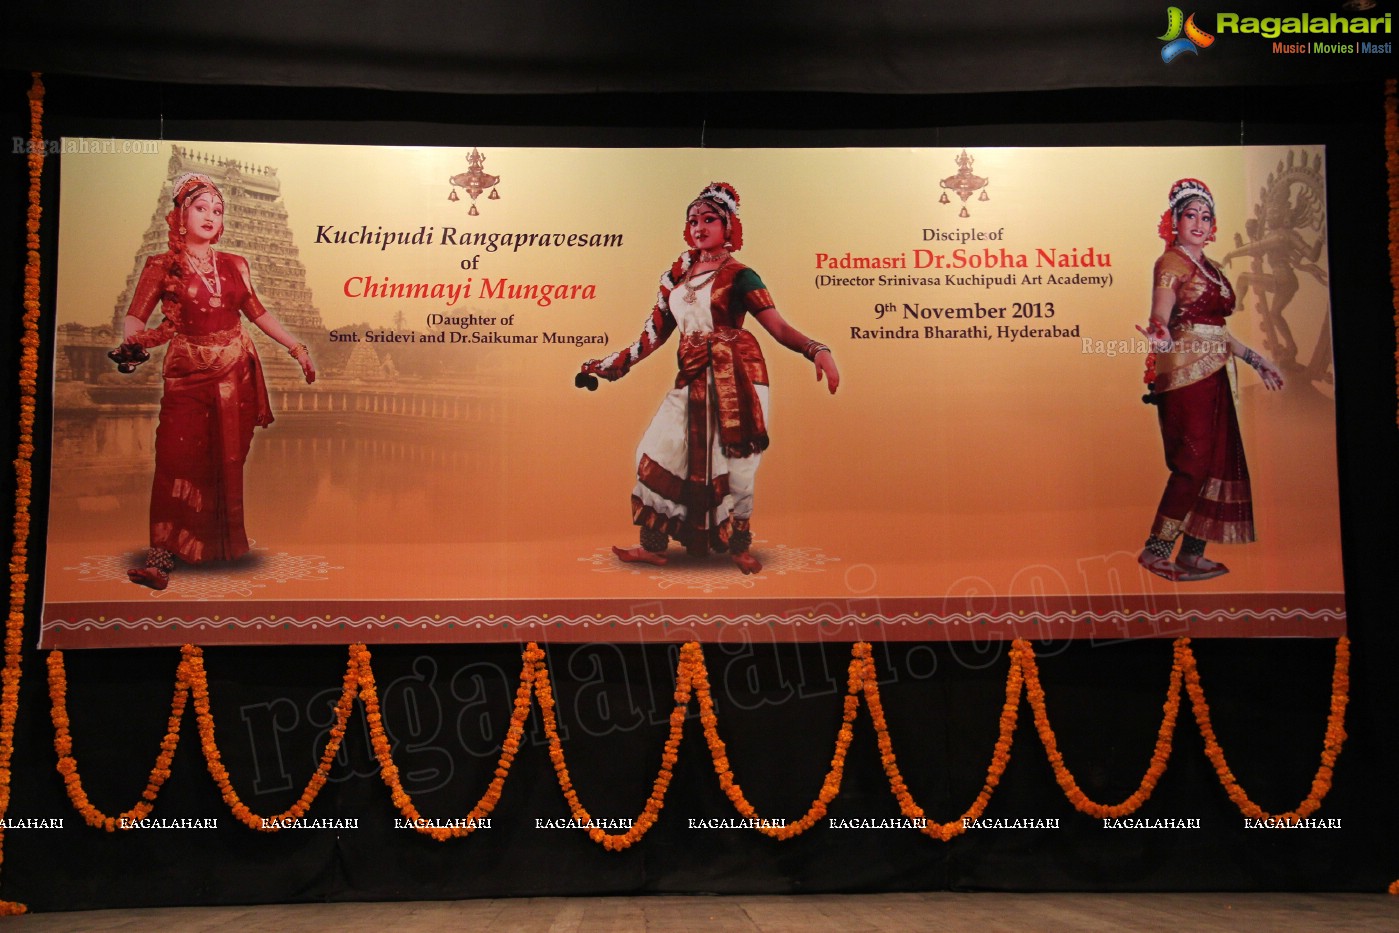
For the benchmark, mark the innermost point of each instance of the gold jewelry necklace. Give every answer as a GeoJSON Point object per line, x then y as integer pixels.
{"type": "Point", "coordinates": [1220, 281]}
{"type": "Point", "coordinates": [212, 282]}
{"type": "Point", "coordinates": [689, 284]}
{"type": "Point", "coordinates": [201, 263]}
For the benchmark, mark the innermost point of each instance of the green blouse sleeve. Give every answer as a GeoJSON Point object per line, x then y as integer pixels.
{"type": "Point", "coordinates": [749, 289]}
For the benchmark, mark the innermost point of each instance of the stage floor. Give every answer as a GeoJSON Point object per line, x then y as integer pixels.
{"type": "Point", "coordinates": [770, 914]}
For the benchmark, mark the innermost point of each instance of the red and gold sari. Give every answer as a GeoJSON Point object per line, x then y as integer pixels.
{"type": "Point", "coordinates": [214, 396]}
{"type": "Point", "coordinates": [1207, 495]}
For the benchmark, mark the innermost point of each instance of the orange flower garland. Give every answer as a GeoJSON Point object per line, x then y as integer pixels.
{"type": "Point", "coordinates": [199, 684]}
{"type": "Point", "coordinates": [190, 677]}
{"type": "Point", "coordinates": [690, 668]}
{"type": "Point", "coordinates": [24, 478]}
{"type": "Point", "coordinates": [1331, 749]}
{"type": "Point", "coordinates": [830, 786]}
{"type": "Point", "coordinates": [388, 771]}
{"type": "Point", "coordinates": [692, 682]}
{"type": "Point", "coordinates": [68, 765]}
{"type": "Point", "coordinates": [1000, 757]}
{"type": "Point", "coordinates": [1064, 776]}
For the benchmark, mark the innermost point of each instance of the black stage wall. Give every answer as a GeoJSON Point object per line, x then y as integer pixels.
{"type": "Point", "coordinates": [779, 705]}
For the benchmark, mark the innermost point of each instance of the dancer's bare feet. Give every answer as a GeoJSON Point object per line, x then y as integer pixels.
{"type": "Point", "coordinates": [639, 555]}
{"type": "Point", "coordinates": [746, 562]}
{"type": "Point", "coordinates": [153, 577]}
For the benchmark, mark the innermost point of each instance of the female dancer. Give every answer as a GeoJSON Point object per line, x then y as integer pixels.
{"type": "Point", "coordinates": [214, 391]}
{"type": "Point", "coordinates": [1207, 496]}
{"type": "Point", "coordinates": [697, 461]}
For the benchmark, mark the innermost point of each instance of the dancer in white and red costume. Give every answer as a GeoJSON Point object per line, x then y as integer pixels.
{"type": "Point", "coordinates": [697, 461]}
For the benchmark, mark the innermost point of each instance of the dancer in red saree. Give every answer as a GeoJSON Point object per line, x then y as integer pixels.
{"type": "Point", "coordinates": [214, 391]}
{"type": "Point", "coordinates": [698, 459]}
{"type": "Point", "coordinates": [1208, 496]}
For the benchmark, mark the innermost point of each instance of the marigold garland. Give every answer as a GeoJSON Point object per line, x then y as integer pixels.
{"type": "Point", "coordinates": [68, 765]}
{"type": "Point", "coordinates": [688, 671]}
{"type": "Point", "coordinates": [1000, 756]}
{"type": "Point", "coordinates": [830, 785]}
{"type": "Point", "coordinates": [199, 685]}
{"type": "Point", "coordinates": [1159, 756]}
{"type": "Point", "coordinates": [388, 771]}
{"type": "Point", "coordinates": [24, 481]}
{"type": "Point", "coordinates": [692, 683]}
{"type": "Point", "coordinates": [1331, 748]}
{"type": "Point", "coordinates": [190, 678]}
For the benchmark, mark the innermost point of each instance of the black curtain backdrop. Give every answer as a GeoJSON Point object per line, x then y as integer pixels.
{"type": "Point", "coordinates": [548, 47]}
{"type": "Point", "coordinates": [1060, 79]}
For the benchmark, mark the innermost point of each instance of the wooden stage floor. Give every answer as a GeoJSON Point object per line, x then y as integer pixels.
{"type": "Point", "coordinates": [769, 914]}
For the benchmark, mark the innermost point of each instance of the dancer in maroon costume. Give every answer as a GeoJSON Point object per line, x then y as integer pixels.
{"type": "Point", "coordinates": [1208, 496]}
{"type": "Point", "coordinates": [214, 390]}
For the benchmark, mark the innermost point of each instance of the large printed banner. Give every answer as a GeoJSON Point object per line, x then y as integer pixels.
{"type": "Point", "coordinates": [986, 469]}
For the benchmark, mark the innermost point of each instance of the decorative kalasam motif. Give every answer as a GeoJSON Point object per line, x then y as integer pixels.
{"type": "Point", "coordinates": [964, 183]}
{"type": "Point", "coordinates": [1291, 207]}
{"type": "Point", "coordinates": [475, 181]}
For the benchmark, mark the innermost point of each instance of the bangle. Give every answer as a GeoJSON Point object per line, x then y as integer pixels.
{"type": "Point", "coordinates": [814, 347]}
{"type": "Point", "coordinates": [298, 349]}
{"type": "Point", "coordinates": [1251, 358]}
